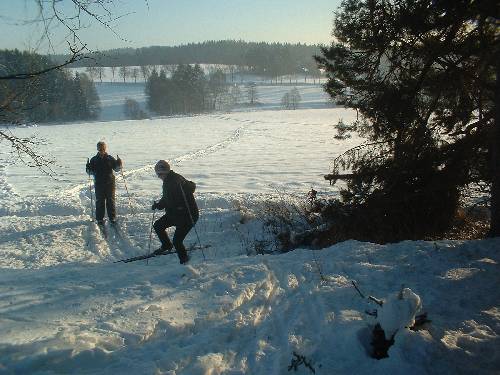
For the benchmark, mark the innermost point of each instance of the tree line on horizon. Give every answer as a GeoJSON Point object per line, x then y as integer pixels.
{"type": "Point", "coordinates": [266, 59]}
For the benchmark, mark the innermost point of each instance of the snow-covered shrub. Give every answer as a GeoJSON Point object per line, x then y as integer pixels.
{"type": "Point", "coordinates": [292, 221]}
{"type": "Point", "coordinates": [398, 311]}
{"type": "Point", "coordinates": [393, 315]}
{"type": "Point", "coordinates": [247, 214]}
{"type": "Point", "coordinates": [286, 221]}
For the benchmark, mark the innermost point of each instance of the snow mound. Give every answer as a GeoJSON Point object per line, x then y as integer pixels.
{"type": "Point", "coordinates": [398, 312]}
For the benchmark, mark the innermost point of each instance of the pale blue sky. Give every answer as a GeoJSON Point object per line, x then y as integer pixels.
{"type": "Point", "coordinates": [173, 22]}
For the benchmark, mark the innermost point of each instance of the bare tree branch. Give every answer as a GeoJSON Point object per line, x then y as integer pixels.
{"type": "Point", "coordinates": [27, 147]}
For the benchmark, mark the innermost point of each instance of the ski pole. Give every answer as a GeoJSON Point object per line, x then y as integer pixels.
{"type": "Point", "coordinates": [150, 235]}
{"type": "Point", "coordinates": [90, 190]}
{"type": "Point", "coordinates": [126, 189]}
{"type": "Point", "coordinates": [192, 221]}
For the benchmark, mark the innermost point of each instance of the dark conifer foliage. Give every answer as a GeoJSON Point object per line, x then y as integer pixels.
{"type": "Point", "coordinates": [423, 75]}
{"type": "Point", "coordinates": [52, 96]}
{"type": "Point", "coordinates": [132, 110]}
{"type": "Point", "coordinates": [269, 59]}
{"type": "Point", "coordinates": [185, 92]}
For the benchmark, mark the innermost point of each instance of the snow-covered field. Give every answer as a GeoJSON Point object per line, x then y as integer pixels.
{"type": "Point", "coordinates": [269, 96]}
{"type": "Point", "coordinates": [65, 307]}
{"type": "Point", "coordinates": [113, 91]}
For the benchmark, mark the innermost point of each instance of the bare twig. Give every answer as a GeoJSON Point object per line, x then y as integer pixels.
{"type": "Point", "coordinates": [318, 266]}
{"type": "Point", "coordinates": [371, 298]}
{"type": "Point", "coordinates": [299, 360]}
{"type": "Point", "coordinates": [27, 147]}
{"type": "Point", "coordinates": [376, 300]}
{"type": "Point", "coordinates": [359, 291]}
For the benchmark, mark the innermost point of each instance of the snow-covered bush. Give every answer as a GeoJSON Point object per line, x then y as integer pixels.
{"type": "Point", "coordinates": [393, 315]}
{"type": "Point", "coordinates": [398, 311]}
{"type": "Point", "coordinates": [287, 222]}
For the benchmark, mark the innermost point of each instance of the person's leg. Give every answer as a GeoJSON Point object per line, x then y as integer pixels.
{"type": "Point", "coordinates": [160, 227]}
{"type": "Point", "coordinates": [100, 198]}
{"type": "Point", "coordinates": [110, 202]}
{"type": "Point", "coordinates": [181, 232]}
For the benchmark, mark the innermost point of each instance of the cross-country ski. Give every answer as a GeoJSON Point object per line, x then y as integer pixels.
{"type": "Point", "coordinates": [142, 257]}
{"type": "Point", "coordinates": [157, 254]}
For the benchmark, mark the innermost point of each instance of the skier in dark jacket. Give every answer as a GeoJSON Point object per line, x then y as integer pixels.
{"type": "Point", "coordinates": [180, 207]}
{"type": "Point", "coordinates": [102, 166]}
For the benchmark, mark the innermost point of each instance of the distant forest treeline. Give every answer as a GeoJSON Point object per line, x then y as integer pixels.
{"type": "Point", "coordinates": [271, 59]}
{"type": "Point", "coordinates": [56, 95]}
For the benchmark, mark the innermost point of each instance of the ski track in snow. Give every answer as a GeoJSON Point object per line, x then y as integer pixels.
{"type": "Point", "coordinates": [249, 121]}
{"type": "Point", "coordinates": [149, 168]}
{"type": "Point", "coordinates": [65, 216]}
{"type": "Point", "coordinates": [76, 201]}
{"type": "Point", "coordinates": [73, 205]}
{"type": "Point", "coordinates": [241, 325]}
{"type": "Point", "coordinates": [178, 160]}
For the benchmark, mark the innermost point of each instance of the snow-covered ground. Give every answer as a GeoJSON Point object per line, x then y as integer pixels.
{"type": "Point", "coordinates": [113, 95]}
{"type": "Point", "coordinates": [65, 307]}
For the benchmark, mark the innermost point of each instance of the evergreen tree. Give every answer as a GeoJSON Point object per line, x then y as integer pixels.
{"type": "Point", "coordinates": [252, 93]}
{"type": "Point", "coordinates": [424, 75]}
{"type": "Point", "coordinates": [92, 106]}
{"type": "Point", "coordinates": [52, 96]}
{"type": "Point", "coordinates": [151, 91]}
{"type": "Point", "coordinates": [295, 98]}
{"type": "Point", "coordinates": [197, 89]}
{"type": "Point", "coordinates": [185, 92]}
{"type": "Point", "coordinates": [217, 87]}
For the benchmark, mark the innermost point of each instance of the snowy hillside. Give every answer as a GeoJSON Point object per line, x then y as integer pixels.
{"type": "Point", "coordinates": [65, 307]}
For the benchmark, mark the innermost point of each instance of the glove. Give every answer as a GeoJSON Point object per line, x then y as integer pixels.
{"type": "Point", "coordinates": [119, 162]}
{"type": "Point", "coordinates": [87, 168]}
{"type": "Point", "coordinates": [154, 206]}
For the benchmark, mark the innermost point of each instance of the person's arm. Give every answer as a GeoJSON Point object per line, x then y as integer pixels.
{"type": "Point", "coordinates": [162, 203]}
{"type": "Point", "coordinates": [117, 163]}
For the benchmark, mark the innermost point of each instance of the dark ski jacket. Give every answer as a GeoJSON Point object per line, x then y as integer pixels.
{"type": "Point", "coordinates": [102, 169]}
{"type": "Point", "coordinates": [178, 199]}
